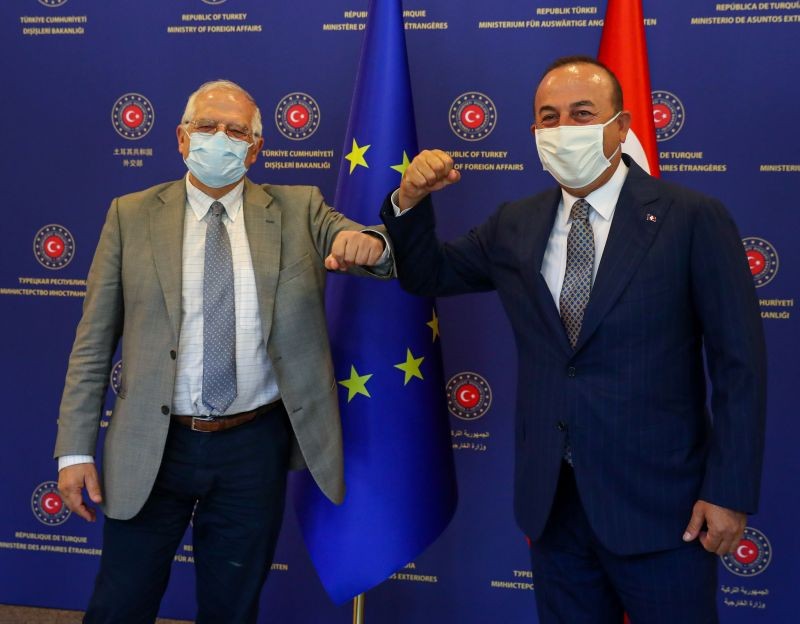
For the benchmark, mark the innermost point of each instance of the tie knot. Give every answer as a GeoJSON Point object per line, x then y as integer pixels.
{"type": "Point", "coordinates": [217, 209]}
{"type": "Point", "coordinates": [580, 210]}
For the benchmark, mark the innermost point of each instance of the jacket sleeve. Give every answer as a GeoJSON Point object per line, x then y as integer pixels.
{"type": "Point", "coordinates": [428, 267]}
{"type": "Point", "coordinates": [326, 223]}
{"type": "Point", "coordinates": [726, 304]}
{"type": "Point", "coordinates": [96, 339]}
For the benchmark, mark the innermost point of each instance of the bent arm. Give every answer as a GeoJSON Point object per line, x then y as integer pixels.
{"type": "Point", "coordinates": [427, 267]}
{"type": "Point", "coordinates": [347, 245]}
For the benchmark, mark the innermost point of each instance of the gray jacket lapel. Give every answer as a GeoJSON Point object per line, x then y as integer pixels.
{"type": "Point", "coordinates": [262, 220]}
{"type": "Point", "coordinates": [166, 234]}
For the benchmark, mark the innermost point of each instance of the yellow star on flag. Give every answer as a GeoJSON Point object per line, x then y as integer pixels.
{"type": "Point", "coordinates": [410, 367]}
{"type": "Point", "coordinates": [403, 165]}
{"type": "Point", "coordinates": [434, 325]}
{"type": "Point", "coordinates": [357, 384]}
{"type": "Point", "coordinates": [356, 156]}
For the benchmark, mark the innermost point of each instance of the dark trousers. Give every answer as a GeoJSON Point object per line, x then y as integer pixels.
{"type": "Point", "coordinates": [578, 581]}
{"type": "Point", "coordinates": [237, 479]}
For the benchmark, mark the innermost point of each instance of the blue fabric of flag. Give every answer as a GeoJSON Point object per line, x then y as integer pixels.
{"type": "Point", "coordinates": [401, 491]}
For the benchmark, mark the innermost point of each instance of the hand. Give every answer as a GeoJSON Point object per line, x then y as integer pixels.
{"type": "Point", "coordinates": [725, 527]}
{"type": "Point", "coordinates": [430, 171]}
{"type": "Point", "coordinates": [354, 249]}
{"type": "Point", "coordinates": [71, 480]}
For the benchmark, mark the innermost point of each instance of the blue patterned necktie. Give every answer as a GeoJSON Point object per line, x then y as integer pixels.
{"type": "Point", "coordinates": [578, 274]}
{"type": "Point", "coordinates": [219, 316]}
{"type": "Point", "coordinates": [577, 281]}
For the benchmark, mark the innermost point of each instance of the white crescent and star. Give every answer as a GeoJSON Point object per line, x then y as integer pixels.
{"type": "Point", "coordinates": [466, 396]}
{"type": "Point", "coordinates": [131, 116]}
{"type": "Point", "coordinates": [52, 247]}
{"type": "Point", "coordinates": [296, 116]}
{"type": "Point", "coordinates": [743, 552]}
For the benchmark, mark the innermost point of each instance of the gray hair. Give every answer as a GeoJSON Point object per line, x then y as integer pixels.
{"type": "Point", "coordinates": [189, 111]}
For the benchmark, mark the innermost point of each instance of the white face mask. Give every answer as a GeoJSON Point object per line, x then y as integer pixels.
{"type": "Point", "coordinates": [573, 154]}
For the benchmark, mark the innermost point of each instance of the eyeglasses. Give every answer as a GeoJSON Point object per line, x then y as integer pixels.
{"type": "Point", "coordinates": [234, 131]}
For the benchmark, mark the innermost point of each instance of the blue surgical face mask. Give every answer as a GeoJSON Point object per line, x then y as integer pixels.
{"type": "Point", "coordinates": [216, 159]}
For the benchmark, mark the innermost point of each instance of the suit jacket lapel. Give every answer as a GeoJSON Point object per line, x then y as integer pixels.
{"type": "Point", "coordinates": [166, 234]}
{"type": "Point", "coordinates": [535, 236]}
{"type": "Point", "coordinates": [639, 213]}
{"type": "Point", "coordinates": [262, 220]}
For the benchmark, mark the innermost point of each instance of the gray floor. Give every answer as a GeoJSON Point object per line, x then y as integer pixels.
{"type": "Point", "coordinates": [28, 615]}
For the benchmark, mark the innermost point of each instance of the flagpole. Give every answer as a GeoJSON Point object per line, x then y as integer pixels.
{"type": "Point", "coordinates": [358, 609]}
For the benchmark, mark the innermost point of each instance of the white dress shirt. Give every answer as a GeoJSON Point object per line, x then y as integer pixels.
{"type": "Point", "coordinates": [255, 378]}
{"type": "Point", "coordinates": [603, 202]}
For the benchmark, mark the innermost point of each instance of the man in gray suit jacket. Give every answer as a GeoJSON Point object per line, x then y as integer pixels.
{"type": "Point", "coordinates": [216, 285]}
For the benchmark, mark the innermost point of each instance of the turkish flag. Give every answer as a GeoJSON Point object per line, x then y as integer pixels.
{"type": "Point", "coordinates": [623, 49]}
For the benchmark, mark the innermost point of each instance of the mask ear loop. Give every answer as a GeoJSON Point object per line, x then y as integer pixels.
{"type": "Point", "coordinates": [612, 119]}
{"type": "Point", "coordinates": [619, 147]}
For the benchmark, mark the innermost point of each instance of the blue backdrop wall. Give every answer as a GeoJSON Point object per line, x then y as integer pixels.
{"type": "Point", "coordinates": [92, 92]}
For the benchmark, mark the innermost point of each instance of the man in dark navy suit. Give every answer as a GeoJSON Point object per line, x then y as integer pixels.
{"type": "Point", "coordinates": [617, 286]}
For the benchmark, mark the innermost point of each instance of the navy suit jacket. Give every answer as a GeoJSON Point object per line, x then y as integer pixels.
{"type": "Point", "coordinates": [673, 286]}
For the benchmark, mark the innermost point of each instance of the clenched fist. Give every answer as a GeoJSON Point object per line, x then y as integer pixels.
{"type": "Point", "coordinates": [352, 248]}
{"type": "Point", "coordinates": [430, 171]}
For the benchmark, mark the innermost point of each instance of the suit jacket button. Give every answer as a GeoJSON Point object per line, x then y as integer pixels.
{"type": "Point", "coordinates": [571, 371]}
{"type": "Point", "coordinates": [164, 410]}
{"type": "Point", "coordinates": [561, 425]}
{"type": "Point", "coordinates": [173, 354]}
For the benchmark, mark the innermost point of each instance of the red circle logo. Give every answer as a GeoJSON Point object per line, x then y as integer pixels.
{"type": "Point", "coordinates": [297, 116]}
{"type": "Point", "coordinates": [468, 396]}
{"type": "Point", "coordinates": [53, 246]}
{"type": "Point", "coordinates": [668, 114]}
{"type": "Point", "coordinates": [662, 115]}
{"type": "Point", "coordinates": [746, 552]}
{"type": "Point", "coordinates": [132, 116]}
{"type": "Point", "coordinates": [52, 503]}
{"type": "Point", "coordinates": [752, 555]}
{"type": "Point", "coordinates": [756, 260]}
{"type": "Point", "coordinates": [762, 258]}
{"type": "Point", "coordinates": [472, 116]}
{"type": "Point", "coordinates": [47, 504]}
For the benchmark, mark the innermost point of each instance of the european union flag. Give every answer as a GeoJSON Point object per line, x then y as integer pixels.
{"type": "Point", "coordinates": [399, 471]}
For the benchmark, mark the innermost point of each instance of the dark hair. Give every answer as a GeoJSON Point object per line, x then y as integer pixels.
{"type": "Point", "coordinates": [616, 88]}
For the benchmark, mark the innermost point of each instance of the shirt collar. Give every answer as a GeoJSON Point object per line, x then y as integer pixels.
{"type": "Point", "coordinates": [200, 203]}
{"type": "Point", "coordinates": [603, 200]}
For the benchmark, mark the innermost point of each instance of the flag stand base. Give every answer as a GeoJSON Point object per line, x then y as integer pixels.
{"type": "Point", "coordinates": [358, 609]}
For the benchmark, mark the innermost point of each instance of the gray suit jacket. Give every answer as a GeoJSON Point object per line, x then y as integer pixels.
{"type": "Point", "coordinates": [134, 290]}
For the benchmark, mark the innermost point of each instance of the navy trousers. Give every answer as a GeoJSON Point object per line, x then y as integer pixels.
{"type": "Point", "coordinates": [235, 483]}
{"type": "Point", "coordinates": [578, 581]}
